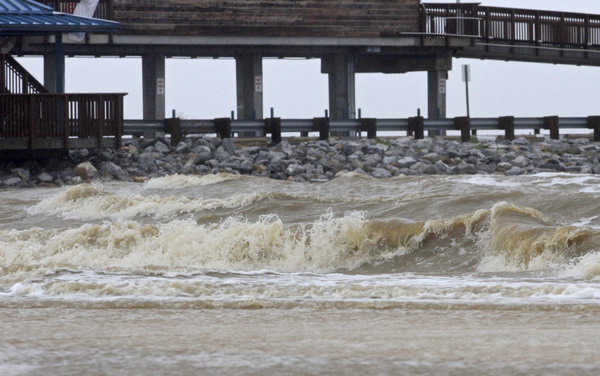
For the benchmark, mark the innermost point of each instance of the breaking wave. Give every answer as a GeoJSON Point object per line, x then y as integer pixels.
{"type": "Point", "coordinates": [87, 202]}
{"type": "Point", "coordinates": [505, 238]}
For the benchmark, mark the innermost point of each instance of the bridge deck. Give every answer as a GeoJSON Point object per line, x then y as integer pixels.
{"type": "Point", "coordinates": [311, 28]}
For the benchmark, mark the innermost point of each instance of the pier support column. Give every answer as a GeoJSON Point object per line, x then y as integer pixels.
{"type": "Point", "coordinates": [342, 92]}
{"type": "Point", "coordinates": [153, 82]}
{"type": "Point", "coordinates": [436, 97]}
{"type": "Point", "coordinates": [249, 82]}
{"type": "Point", "coordinates": [342, 88]}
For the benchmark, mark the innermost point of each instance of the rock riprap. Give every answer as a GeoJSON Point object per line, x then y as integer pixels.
{"type": "Point", "coordinates": [312, 161]}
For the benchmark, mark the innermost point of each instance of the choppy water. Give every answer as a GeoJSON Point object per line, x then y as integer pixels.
{"type": "Point", "coordinates": [239, 275]}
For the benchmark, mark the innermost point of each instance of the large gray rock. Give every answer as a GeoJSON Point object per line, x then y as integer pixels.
{"type": "Point", "coordinates": [86, 171]}
{"type": "Point", "coordinates": [406, 162]}
{"type": "Point", "coordinates": [146, 162]}
{"type": "Point", "coordinates": [161, 147]}
{"type": "Point", "coordinates": [12, 181]}
{"type": "Point", "coordinates": [22, 173]}
{"type": "Point", "coordinates": [112, 170]}
{"type": "Point", "coordinates": [229, 145]}
{"type": "Point", "coordinates": [45, 177]}
{"type": "Point", "coordinates": [380, 173]}
{"type": "Point", "coordinates": [521, 161]}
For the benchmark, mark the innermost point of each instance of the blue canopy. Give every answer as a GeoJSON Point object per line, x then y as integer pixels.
{"type": "Point", "coordinates": [26, 17]}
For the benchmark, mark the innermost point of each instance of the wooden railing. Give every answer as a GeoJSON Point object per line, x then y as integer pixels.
{"type": "Point", "coordinates": [104, 10]}
{"type": "Point", "coordinates": [15, 79]}
{"type": "Point", "coordinates": [62, 116]}
{"type": "Point", "coordinates": [518, 26]}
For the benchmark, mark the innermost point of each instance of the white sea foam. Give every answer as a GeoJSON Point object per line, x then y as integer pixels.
{"type": "Point", "coordinates": [188, 181]}
{"type": "Point", "coordinates": [293, 289]}
{"type": "Point", "coordinates": [491, 181]}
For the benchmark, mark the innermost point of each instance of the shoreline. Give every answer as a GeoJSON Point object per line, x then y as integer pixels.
{"type": "Point", "coordinates": [309, 161]}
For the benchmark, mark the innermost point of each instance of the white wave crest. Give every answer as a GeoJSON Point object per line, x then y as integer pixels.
{"type": "Point", "coordinates": [188, 181]}
{"type": "Point", "coordinates": [87, 202]}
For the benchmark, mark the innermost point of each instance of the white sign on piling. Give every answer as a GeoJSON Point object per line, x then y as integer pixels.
{"type": "Point", "coordinates": [160, 86]}
{"type": "Point", "coordinates": [258, 84]}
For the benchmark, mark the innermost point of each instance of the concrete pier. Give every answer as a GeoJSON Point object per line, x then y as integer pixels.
{"type": "Point", "coordinates": [342, 86]}
{"type": "Point", "coordinates": [436, 97]}
{"type": "Point", "coordinates": [154, 89]}
{"type": "Point", "coordinates": [249, 82]}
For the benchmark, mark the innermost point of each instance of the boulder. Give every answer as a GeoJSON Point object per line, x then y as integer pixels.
{"type": "Point", "coordinates": [86, 171]}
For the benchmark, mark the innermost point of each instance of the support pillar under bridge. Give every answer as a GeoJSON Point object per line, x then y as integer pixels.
{"type": "Point", "coordinates": [154, 86]}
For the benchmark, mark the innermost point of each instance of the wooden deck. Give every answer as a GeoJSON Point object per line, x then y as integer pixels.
{"type": "Point", "coordinates": [60, 121]}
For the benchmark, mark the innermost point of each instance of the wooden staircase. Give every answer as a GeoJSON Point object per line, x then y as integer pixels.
{"type": "Point", "coordinates": [15, 79]}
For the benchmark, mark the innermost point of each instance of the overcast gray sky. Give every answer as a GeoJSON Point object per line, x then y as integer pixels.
{"type": "Point", "coordinates": [205, 88]}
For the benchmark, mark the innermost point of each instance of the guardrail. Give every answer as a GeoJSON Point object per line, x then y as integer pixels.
{"type": "Point", "coordinates": [415, 126]}
{"type": "Point", "coordinates": [515, 26]}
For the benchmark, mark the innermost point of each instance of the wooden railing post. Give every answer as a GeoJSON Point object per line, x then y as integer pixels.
{"type": "Point", "coordinates": [31, 121]}
{"type": "Point", "coordinates": [273, 126]}
{"type": "Point", "coordinates": [321, 125]}
{"type": "Point", "coordinates": [552, 123]}
{"type": "Point", "coordinates": [508, 124]}
{"type": "Point", "coordinates": [100, 120]}
{"type": "Point", "coordinates": [119, 120]}
{"type": "Point", "coordinates": [3, 64]}
{"type": "Point", "coordinates": [223, 127]}
{"type": "Point", "coordinates": [173, 127]}
{"type": "Point", "coordinates": [463, 124]}
{"type": "Point", "coordinates": [65, 120]}
{"type": "Point", "coordinates": [370, 126]}
{"type": "Point", "coordinates": [416, 126]}
{"type": "Point", "coordinates": [594, 123]}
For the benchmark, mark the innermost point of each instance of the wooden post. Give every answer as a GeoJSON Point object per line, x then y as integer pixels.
{"type": "Point", "coordinates": [551, 123]}
{"type": "Point", "coordinates": [65, 120]}
{"type": "Point", "coordinates": [508, 124]}
{"type": "Point", "coordinates": [273, 126]}
{"type": "Point", "coordinates": [369, 125]}
{"type": "Point", "coordinates": [594, 123]}
{"type": "Point", "coordinates": [223, 127]}
{"type": "Point", "coordinates": [100, 120]}
{"type": "Point", "coordinates": [119, 121]}
{"type": "Point", "coordinates": [31, 120]}
{"type": "Point", "coordinates": [173, 127]}
{"type": "Point", "coordinates": [3, 64]}
{"type": "Point", "coordinates": [322, 126]}
{"type": "Point", "coordinates": [416, 126]}
{"type": "Point", "coordinates": [463, 124]}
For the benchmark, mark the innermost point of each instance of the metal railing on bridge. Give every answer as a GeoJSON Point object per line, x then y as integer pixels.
{"type": "Point", "coordinates": [415, 126]}
{"type": "Point", "coordinates": [509, 25]}
{"type": "Point", "coordinates": [60, 121]}
{"type": "Point", "coordinates": [103, 11]}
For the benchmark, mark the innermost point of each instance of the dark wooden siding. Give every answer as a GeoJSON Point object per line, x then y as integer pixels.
{"type": "Point", "coordinates": [303, 18]}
